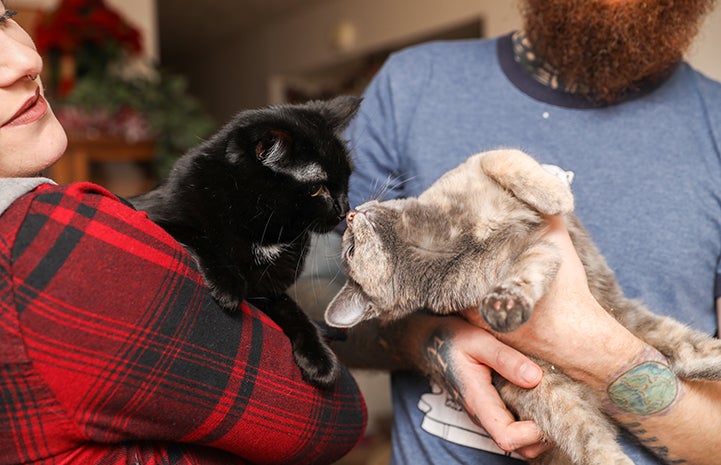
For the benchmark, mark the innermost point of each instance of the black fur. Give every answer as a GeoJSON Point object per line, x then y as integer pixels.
{"type": "Point", "coordinates": [245, 202]}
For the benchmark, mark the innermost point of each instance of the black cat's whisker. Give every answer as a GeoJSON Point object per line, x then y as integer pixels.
{"type": "Point", "coordinates": [265, 229]}
{"type": "Point", "coordinates": [338, 275]}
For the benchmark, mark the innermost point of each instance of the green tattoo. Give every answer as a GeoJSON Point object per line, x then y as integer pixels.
{"type": "Point", "coordinates": [648, 388]}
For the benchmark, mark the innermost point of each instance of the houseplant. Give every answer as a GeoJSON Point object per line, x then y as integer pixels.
{"type": "Point", "coordinates": [100, 83]}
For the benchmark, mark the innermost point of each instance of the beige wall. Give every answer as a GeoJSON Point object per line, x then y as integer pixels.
{"type": "Point", "coordinates": [305, 40]}
{"type": "Point", "coordinates": [705, 54]}
{"type": "Point", "coordinates": [240, 74]}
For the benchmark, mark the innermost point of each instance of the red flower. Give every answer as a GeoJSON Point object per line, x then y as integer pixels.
{"type": "Point", "coordinates": [78, 23]}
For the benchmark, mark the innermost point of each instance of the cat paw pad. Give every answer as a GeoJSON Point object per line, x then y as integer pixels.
{"type": "Point", "coordinates": [505, 310]}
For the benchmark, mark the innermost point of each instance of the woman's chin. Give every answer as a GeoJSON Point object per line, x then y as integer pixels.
{"type": "Point", "coordinates": [28, 150]}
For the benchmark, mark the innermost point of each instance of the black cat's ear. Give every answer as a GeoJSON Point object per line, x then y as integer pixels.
{"type": "Point", "coordinates": [349, 307]}
{"type": "Point", "coordinates": [272, 145]}
{"type": "Point", "coordinates": [339, 111]}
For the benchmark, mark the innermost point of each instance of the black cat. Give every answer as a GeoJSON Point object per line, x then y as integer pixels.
{"type": "Point", "coordinates": [245, 202]}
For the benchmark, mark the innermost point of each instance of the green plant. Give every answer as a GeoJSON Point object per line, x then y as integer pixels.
{"type": "Point", "coordinates": [176, 119]}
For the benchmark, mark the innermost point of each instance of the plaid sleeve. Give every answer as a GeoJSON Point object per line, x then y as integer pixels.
{"type": "Point", "coordinates": [109, 342]}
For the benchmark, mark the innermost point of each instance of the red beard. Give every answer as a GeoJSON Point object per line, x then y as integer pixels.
{"type": "Point", "coordinates": [612, 47]}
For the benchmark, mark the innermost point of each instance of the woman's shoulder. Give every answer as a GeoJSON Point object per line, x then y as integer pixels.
{"type": "Point", "coordinates": [16, 193]}
{"type": "Point", "coordinates": [86, 218]}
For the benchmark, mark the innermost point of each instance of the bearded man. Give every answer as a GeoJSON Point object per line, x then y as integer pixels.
{"type": "Point", "coordinates": [598, 87]}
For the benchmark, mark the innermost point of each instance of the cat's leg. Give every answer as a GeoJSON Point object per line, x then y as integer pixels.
{"type": "Point", "coordinates": [227, 289]}
{"type": "Point", "coordinates": [527, 180]}
{"type": "Point", "coordinates": [568, 414]}
{"type": "Point", "coordinates": [317, 362]}
{"type": "Point", "coordinates": [220, 272]}
{"type": "Point", "coordinates": [510, 303]}
{"type": "Point", "coordinates": [691, 354]}
{"type": "Point", "coordinates": [554, 456]}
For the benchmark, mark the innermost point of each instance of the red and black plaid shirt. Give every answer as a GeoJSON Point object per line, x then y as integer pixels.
{"type": "Point", "coordinates": [112, 351]}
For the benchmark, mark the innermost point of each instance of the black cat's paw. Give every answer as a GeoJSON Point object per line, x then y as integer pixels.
{"type": "Point", "coordinates": [505, 309]}
{"type": "Point", "coordinates": [226, 300]}
{"type": "Point", "coordinates": [318, 364]}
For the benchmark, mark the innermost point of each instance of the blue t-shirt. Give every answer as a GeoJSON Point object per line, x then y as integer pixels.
{"type": "Point", "coordinates": [647, 186]}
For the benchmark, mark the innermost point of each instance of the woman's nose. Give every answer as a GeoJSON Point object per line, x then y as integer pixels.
{"type": "Point", "coordinates": [18, 57]}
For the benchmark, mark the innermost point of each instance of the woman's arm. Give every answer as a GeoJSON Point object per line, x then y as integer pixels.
{"type": "Point", "coordinates": [120, 329]}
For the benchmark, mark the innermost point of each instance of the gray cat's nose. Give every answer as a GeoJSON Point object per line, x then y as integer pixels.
{"type": "Point", "coordinates": [350, 215]}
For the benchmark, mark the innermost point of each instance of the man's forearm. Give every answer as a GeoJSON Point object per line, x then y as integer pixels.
{"type": "Point", "coordinates": [676, 419]}
{"type": "Point", "coordinates": [390, 346]}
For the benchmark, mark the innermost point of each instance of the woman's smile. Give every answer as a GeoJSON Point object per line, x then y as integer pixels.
{"type": "Point", "coordinates": [32, 110]}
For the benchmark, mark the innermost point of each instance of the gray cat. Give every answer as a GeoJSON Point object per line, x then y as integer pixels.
{"type": "Point", "coordinates": [473, 239]}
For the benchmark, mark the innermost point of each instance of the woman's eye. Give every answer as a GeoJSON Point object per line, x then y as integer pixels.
{"type": "Point", "coordinates": [320, 190]}
{"type": "Point", "coordinates": [7, 15]}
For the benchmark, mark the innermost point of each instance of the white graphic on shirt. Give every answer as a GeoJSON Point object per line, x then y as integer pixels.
{"type": "Point", "coordinates": [447, 420]}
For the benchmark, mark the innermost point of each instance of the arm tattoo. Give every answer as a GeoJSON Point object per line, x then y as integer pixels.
{"type": "Point", "coordinates": [645, 389]}
{"type": "Point", "coordinates": [440, 366]}
{"type": "Point", "coordinates": [648, 387]}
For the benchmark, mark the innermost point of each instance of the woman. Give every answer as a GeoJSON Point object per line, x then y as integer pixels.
{"type": "Point", "coordinates": [111, 349]}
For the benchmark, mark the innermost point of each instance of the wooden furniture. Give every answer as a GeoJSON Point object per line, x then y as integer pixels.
{"type": "Point", "coordinates": [84, 152]}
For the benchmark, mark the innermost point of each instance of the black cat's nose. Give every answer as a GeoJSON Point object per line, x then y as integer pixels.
{"type": "Point", "coordinates": [342, 207]}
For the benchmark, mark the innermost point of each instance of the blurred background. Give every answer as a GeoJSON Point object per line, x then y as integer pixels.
{"type": "Point", "coordinates": [137, 82]}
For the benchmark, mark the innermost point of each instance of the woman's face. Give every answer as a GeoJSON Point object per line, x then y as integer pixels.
{"type": "Point", "coordinates": [31, 138]}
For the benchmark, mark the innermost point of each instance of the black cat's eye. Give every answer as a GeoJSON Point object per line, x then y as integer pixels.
{"type": "Point", "coordinates": [321, 190]}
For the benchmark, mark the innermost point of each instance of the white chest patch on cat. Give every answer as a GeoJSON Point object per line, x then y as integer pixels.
{"type": "Point", "coordinates": [264, 254]}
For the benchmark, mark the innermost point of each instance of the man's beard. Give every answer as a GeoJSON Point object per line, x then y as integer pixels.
{"type": "Point", "coordinates": [610, 48]}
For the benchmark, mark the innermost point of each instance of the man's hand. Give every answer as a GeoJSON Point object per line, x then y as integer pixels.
{"type": "Point", "coordinates": [568, 320]}
{"type": "Point", "coordinates": [461, 357]}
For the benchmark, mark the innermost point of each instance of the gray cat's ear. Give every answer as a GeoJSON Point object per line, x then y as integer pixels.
{"type": "Point", "coordinates": [348, 308]}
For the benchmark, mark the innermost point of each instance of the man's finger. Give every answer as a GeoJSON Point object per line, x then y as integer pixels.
{"type": "Point", "coordinates": [507, 361]}
{"type": "Point", "coordinates": [487, 408]}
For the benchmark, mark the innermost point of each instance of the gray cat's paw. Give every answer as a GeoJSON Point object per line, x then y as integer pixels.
{"type": "Point", "coordinates": [505, 309]}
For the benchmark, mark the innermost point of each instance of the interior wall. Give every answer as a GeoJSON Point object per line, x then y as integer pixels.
{"type": "Point", "coordinates": [239, 73]}
{"type": "Point", "coordinates": [705, 54]}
